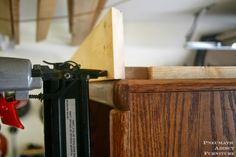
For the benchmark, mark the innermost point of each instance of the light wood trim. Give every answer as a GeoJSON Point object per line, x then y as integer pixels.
{"type": "Point", "coordinates": [191, 72]}
{"type": "Point", "coordinates": [82, 17]}
{"type": "Point", "coordinates": [45, 12]}
{"type": "Point", "coordinates": [103, 47]}
{"type": "Point", "coordinates": [102, 91]}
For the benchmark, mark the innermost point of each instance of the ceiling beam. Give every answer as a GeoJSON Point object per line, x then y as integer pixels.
{"type": "Point", "coordinates": [15, 16]}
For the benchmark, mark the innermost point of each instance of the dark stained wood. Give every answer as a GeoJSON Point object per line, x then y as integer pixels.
{"type": "Point", "coordinates": [177, 123]}
{"type": "Point", "coordinates": [15, 16]}
{"type": "Point", "coordinates": [136, 73]}
{"type": "Point", "coordinates": [178, 85]}
{"type": "Point", "coordinates": [119, 133]}
{"type": "Point", "coordinates": [6, 18]}
{"type": "Point", "coordinates": [102, 91]}
{"type": "Point", "coordinates": [124, 87]}
{"type": "Point", "coordinates": [99, 122]}
{"type": "Point", "coordinates": [178, 118]}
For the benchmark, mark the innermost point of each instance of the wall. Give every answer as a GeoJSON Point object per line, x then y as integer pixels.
{"type": "Point", "coordinates": [147, 43]}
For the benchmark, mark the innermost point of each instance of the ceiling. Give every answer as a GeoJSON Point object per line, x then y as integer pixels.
{"type": "Point", "coordinates": [146, 10]}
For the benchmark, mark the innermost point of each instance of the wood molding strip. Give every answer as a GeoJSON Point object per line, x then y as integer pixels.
{"type": "Point", "coordinates": [5, 18]}
{"type": "Point", "coordinates": [45, 12]}
{"type": "Point", "coordinates": [192, 72]}
{"type": "Point", "coordinates": [84, 15]}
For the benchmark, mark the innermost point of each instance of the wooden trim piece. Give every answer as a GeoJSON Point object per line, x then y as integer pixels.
{"type": "Point", "coordinates": [119, 133]}
{"type": "Point", "coordinates": [15, 20]}
{"type": "Point", "coordinates": [136, 73]}
{"type": "Point", "coordinates": [191, 72]}
{"type": "Point", "coordinates": [121, 95]}
{"type": "Point", "coordinates": [45, 12]}
{"type": "Point", "coordinates": [5, 18]}
{"type": "Point", "coordinates": [177, 85]}
{"type": "Point", "coordinates": [103, 47]}
{"type": "Point", "coordinates": [84, 15]}
{"type": "Point", "coordinates": [99, 129]}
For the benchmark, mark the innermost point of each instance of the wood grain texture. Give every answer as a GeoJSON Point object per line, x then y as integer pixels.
{"type": "Point", "coordinates": [176, 124]}
{"type": "Point", "coordinates": [136, 73]}
{"type": "Point", "coordinates": [191, 72]}
{"type": "Point", "coordinates": [6, 18]}
{"type": "Point", "coordinates": [100, 136]}
{"type": "Point", "coordinates": [83, 16]}
{"type": "Point", "coordinates": [103, 47]}
{"type": "Point", "coordinates": [45, 12]}
{"type": "Point", "coordinates": [141, 86]}
{"type": "Point", "coordinates": [122, 88]}
{"type": "Point", "coordinates": [15, 8]}
{"type": "Point", "coordinates": [179, 118]}
{"type": "Point", "coordinates": [119, 133]}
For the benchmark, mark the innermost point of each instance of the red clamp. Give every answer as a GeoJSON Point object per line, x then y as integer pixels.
{"type": "Point", "coordinates": [8, 113]}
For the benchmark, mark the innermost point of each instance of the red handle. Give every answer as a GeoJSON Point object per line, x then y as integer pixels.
{"type": "Point", "coordinates": [8, 113]}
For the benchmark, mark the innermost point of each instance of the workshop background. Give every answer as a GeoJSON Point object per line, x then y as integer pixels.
{"type": "Point", "coordinates": [155, 35]}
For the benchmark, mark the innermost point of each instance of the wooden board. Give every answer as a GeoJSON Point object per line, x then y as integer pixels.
{"type": "Point", "coordinates": [9, 19]}
{"type": "Point", "coordinates": [136, 73]}
{"type": "Point", "coordinates": [179, 118]}
{"type": "Point", "coordinates": [45, 12]}
{"type": "Point", "coordinates": [191, 72]}
{"type": "Point", "coordinates": [16, 19]}
{"type": "Point", "coordinates": [83, 17]}
{"type": "Point", "coordinates": [5, 18]}
{"type": "Point", "coordinates": [119, 133]}
{"type": "Point", "coordinates": [103, 47]}
{"type": "Point", "coordinates": [70, 13]}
